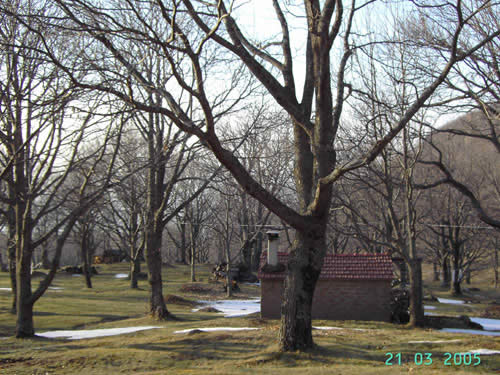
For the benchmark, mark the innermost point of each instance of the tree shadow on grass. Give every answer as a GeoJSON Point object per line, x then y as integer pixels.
{"type": "Point", "coordinates": [204, 346]}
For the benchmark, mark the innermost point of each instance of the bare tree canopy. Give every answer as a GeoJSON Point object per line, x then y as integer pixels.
{"type": "Point", "coordinates": [210, 59]}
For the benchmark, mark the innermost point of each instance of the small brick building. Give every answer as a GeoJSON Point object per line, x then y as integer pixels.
{"type": "Point", "coordinates": [350, 287]}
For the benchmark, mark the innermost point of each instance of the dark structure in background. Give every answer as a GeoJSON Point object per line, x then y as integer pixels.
{"type": "Point", "coordinates": [350, 286]}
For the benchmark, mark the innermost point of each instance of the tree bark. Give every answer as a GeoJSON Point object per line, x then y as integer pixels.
{"type": "Point", "coordinates": [85, 256]}
{"type": "Point", "coordinates": [135, 270]}
{"type": "Point", "coordinates": [304, 267]}
{"type": "Point", "coordinates": [445, 282]}
{"type": "Point", "coordinates": [13, 277]}
{"type": "Point", "coordinates": [157, 306]}
{"type": "Point", "coordinates": [24, 303]}
{"type": "Point", "coordinates": [456, 289]}
{"type": "Point", "coordinates": [193, 257]}
{"type": "Point", "coordinates": [183, 241]}
{"type": "Point", "coordinates": [435, 268]}
{"type": "Point", "coordinates": [416, 294]}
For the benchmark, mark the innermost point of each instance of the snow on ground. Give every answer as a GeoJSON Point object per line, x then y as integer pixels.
{"type": "Point", "coordinates": [430, 307]}
{"type": "Point", "coordinates": [450, 301]}
{"type": "Point", "coordinates": [233, 307]}
{"type": "Point", "coordinates": [483, 351]}
{"type": "Point", "coordinates": [471, 331]}
{"type": "Point", "coordinates": [214, 329]}
{"type": "Point", "coordinates": [76, 275]}
{"type": "Point", "coordinates": [6, 289]}
{"type": "Point", "coordinates": [433, 342]}
{"type": "Point", "coordinates": [92, 333]}
{"type": "Point", "coordinates": [488, 324]}
{"type": "Point", "coordinates": [121, 276]}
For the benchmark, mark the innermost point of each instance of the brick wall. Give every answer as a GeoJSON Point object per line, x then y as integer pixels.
{"type": "Point", "coordinates": [335, 300]}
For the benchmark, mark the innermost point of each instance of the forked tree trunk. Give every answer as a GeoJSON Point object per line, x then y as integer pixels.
{"type": "Point", "coordinates": [416, 294]}
{"type": "Point", "coordinates": [304, 267]}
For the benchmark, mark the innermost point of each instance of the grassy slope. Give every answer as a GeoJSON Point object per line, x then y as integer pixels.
{"type": "Point", "coordinates": [112, 304]}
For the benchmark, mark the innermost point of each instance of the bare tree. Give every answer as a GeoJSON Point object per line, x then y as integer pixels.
{"type": "Point", "coordinates": [196, 31]}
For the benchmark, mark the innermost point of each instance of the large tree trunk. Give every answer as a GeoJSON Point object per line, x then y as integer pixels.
{"type": "Point", "coordinates": [304, 267]}
{"type": "Point", "coordinates": [157, 306]}
{"type": "Point", "coordinates": [416, 294]}
{"type": "Point", "coordinates": [24, 323]}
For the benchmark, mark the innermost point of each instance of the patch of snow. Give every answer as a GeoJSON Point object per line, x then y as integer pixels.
{"type": "Point", "coordinates": [433, 342]}
{"type": "Point", "coordinates": [483, 351]}
{"type": "Point", "coordinates": [430, 307]}
{"type": "Point", "coordinates": [431, 314]}
{"type": "Point", "coordinates": [450, 301]}
{"type": "Point", "coordinates": [76, 275]}
{"type": "Point", "coordinates": [471, 331]}
{"type": "Point", "coordinates": [121, 276]}
{"type": "Point", "coordinates": [232, 308]}
{"type": "Point", "coordinates": [6, 289]}
{"type": "Point", "coordinates": [256, 284]}
{"type": "Point", "coordinates": [92, 333]}
{"type": "Point", "coordinates": [214, 329]}
{"type": "Point", "coordinates": [488, 324]}
{"type": "Point", "coordinates": [55, 288]}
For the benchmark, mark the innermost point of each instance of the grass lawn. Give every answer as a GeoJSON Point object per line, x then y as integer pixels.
{"type": "Point", "coordinates": [357, 348]}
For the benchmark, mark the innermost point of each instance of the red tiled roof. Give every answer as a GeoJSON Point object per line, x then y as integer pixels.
{"type": "Point", "coordinates": [342, 267]}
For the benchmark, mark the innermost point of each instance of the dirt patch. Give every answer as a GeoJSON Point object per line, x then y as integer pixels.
{"type": "Point", "coordinates": [176, 300]}
{"type": "Point", "coordinates": [12, 361]}
{"type": "Point", "coordinates": [461, 322]}
{"type": "Point", "coordinates": [492, 312]}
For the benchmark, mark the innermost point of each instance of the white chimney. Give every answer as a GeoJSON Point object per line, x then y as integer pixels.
{"type": "Point", "coordinates": [272, 247]}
